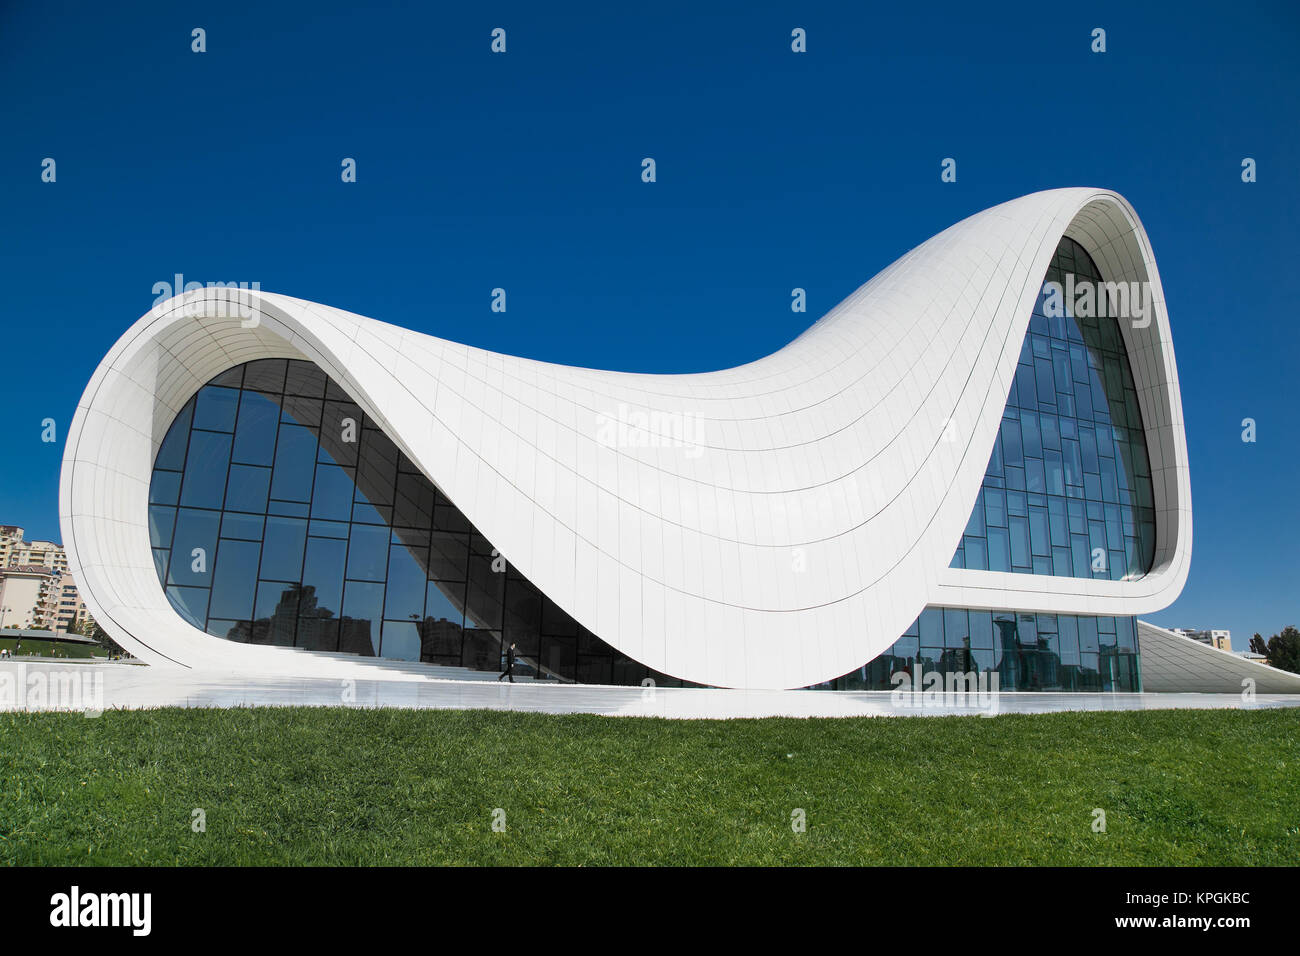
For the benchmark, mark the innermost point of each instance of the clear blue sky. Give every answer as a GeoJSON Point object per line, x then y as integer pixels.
{"type": "Point", "coordinates": [775, 170]}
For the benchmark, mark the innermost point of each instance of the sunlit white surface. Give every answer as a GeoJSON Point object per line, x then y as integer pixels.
{"type": "Point", "coordinates": [134, 687]}
{"type": "Point", "coordinates": [805, 521]}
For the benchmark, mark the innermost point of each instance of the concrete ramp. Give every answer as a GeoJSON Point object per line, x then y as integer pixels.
{"type": "Point", "coordinates": [1172, 663]}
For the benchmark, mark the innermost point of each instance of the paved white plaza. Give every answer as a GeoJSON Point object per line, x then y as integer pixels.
{"type": "Point", "coordinates": [42, 686]}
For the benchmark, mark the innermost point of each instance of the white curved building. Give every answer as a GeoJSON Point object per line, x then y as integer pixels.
{"type": "Point", "coordinates": [778, 524]}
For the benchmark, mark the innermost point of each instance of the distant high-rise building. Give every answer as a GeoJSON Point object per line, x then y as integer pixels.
{"type": "Point", "coordinates": [14, 551]}
{"type": "Point", "coordinates": [1215, 638]}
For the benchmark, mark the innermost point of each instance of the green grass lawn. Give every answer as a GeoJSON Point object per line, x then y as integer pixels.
{"type": "Point", "coordinates": [335, 786]}
{"type": "Point", "coordinates": [36, 647]}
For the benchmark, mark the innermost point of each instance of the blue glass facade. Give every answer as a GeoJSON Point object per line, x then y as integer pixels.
{"type": "Point", "coordinates": [1067, 492]}
{"type": "Point", "coordinates": [280, 514]}
{"type": "Point", "coordinates": [1028, 652]}
{"type": "Point", "coordinates": [1068, 486]}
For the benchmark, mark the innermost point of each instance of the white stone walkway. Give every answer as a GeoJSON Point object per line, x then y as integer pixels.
{"type": "Point", "coordinates": [41, 686]}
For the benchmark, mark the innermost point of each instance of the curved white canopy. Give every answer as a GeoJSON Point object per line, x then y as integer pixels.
{"type": "Point", "coordinates": [810, 515]}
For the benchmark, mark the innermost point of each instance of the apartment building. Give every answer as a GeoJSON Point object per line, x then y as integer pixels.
{"type": "Point", "coordinates": [36, 589]}
{"type": "Point", "coordinates": [1219, 638]}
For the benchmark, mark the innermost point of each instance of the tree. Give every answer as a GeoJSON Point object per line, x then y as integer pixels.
{"type": "Point", "coordinates": [1257, 645]}
{"type": "Point", "coordinates": [101, 637]}
{"type": "Point", "coordinates": [1282, 650]}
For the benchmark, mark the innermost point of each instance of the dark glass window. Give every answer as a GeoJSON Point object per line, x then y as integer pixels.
{"type": "Point", "coordinates": [282, 548]}
{"type": "Point", "coordinates": [295, 464]}
{"type": "Point", "coordinates": [266, 375]}
{"type": "Point", "coordinates": [1072, 432]}
{"type": "Point", "coordinates": [190, 603]}
{"type": "Point", "coordinates": [161, 522]}
{"type": "Point", "coordinates": [194, 547]}
{"type": "Point", "coordinates": [401, 640]}
{"type": "Point", "coordinates": [245, 527]}
{"type": "Point", "coordinates": [171, 454]}
{"type": "Point", "coordinates": [248, 488]}
{"type": "Point", "coordinates": [259, 417]}
{"type": "Point", "coordinates": [324, 567]}
{"type": "Point", "coordinates": [204, 485]}
{"type": "Point", "coordinates": [406, 582]}
{"type": "Point", "coordinates": [1027, 652]}
{"type": "Point", "coordinates": [234, 582]}
{"type": "Point", "coordinates": [368, 552]}
{"type": "Point", "coordinates": [216, 408]}
{"type": "Point", "coordinates": [1067, 492]}
{"type": "Point", "coordinates": [301, 524]}
{"type": "Point", "coordinates": [332, 495]}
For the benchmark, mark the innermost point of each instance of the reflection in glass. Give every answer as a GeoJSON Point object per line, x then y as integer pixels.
{"type": "Point", "coordinates": [315, 531]}
{"type": "Point", "coordinates": [1071, 436]}
{"type": "Point", "coordinates": [1028, 652]}
{"type": "Point", "coordinates": [1067, 492]}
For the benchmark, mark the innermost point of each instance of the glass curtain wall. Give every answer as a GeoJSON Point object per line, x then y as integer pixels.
{"type": "Point", "coordinates": [1067, 492]}
{"type": "Point", "coordinates": [281, 514]}
{"type": "Point", "coordinates": [1068, 486]}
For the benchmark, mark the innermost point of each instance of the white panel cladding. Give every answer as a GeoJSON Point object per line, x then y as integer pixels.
{"type": "Point", "coordinates": [776, 524]}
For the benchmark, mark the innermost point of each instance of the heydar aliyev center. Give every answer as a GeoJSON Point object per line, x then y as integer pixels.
{"type": "Point", "coordinates": [976, 461]}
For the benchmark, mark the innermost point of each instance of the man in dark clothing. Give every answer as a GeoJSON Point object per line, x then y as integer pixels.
{"type": "Point", "coordinates": [510, 664]}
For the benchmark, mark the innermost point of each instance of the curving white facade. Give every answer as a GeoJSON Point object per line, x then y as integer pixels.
{"type": "Point", "coordinates": [810, 517]}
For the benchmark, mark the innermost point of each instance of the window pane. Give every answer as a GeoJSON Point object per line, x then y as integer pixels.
{"type": "Point", "coordinates": [259, 418]}
{"type": "Point", "coordinates": [302, 411]}
{"type": "Point", "coordinates": [171, 453]}
{"type": "Point", "coordinates": [448, 556]}
{"type": "Point", "coordinates": [204, 485]}
{"type": "Point", "coordinates": [161, 522]}
{"type": "Point", "coordinates": [322, 577]}
{"type": "Point", "coordinates": [234, 582]}
{"type": "Point", "coordinates": [276, 612]}
{"type": "Point", "coordinates": [376, 468]}
{"type": "Point", "coordinates": [368, 553]}
{"type": "Point", "coordinates": [406, 584]}
{"type": "Point", "coordinates": [295, 464]}
{"type": "Point", "coordinates": [216, 408]}
{"type": "Point", "coordinates": [265, 375]}
{"type": "Point", "coordinates": [282, 551]}
{"type": "Point", "coordinates": [401, 641]}
{"type": "Point", "coordinates": [165, 488]}
{"type": "Point", "coordinates": [305, 378]}
{"type": "Point", "coordinates": [190, 603]}
{"type": "Point", "coordinates": [363, 606]}
{"type": "Point", "coordinates": [248, 488]}
{"type": "Point", "coordinates": [194, 547]}
{"type": "Point", "coordinates": [245, 527]}
{"type": "Point", "coordinates": [332, 497]}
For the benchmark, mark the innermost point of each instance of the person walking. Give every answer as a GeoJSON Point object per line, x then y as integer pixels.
{"type": "Point", "coordinates": [510, 664]}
